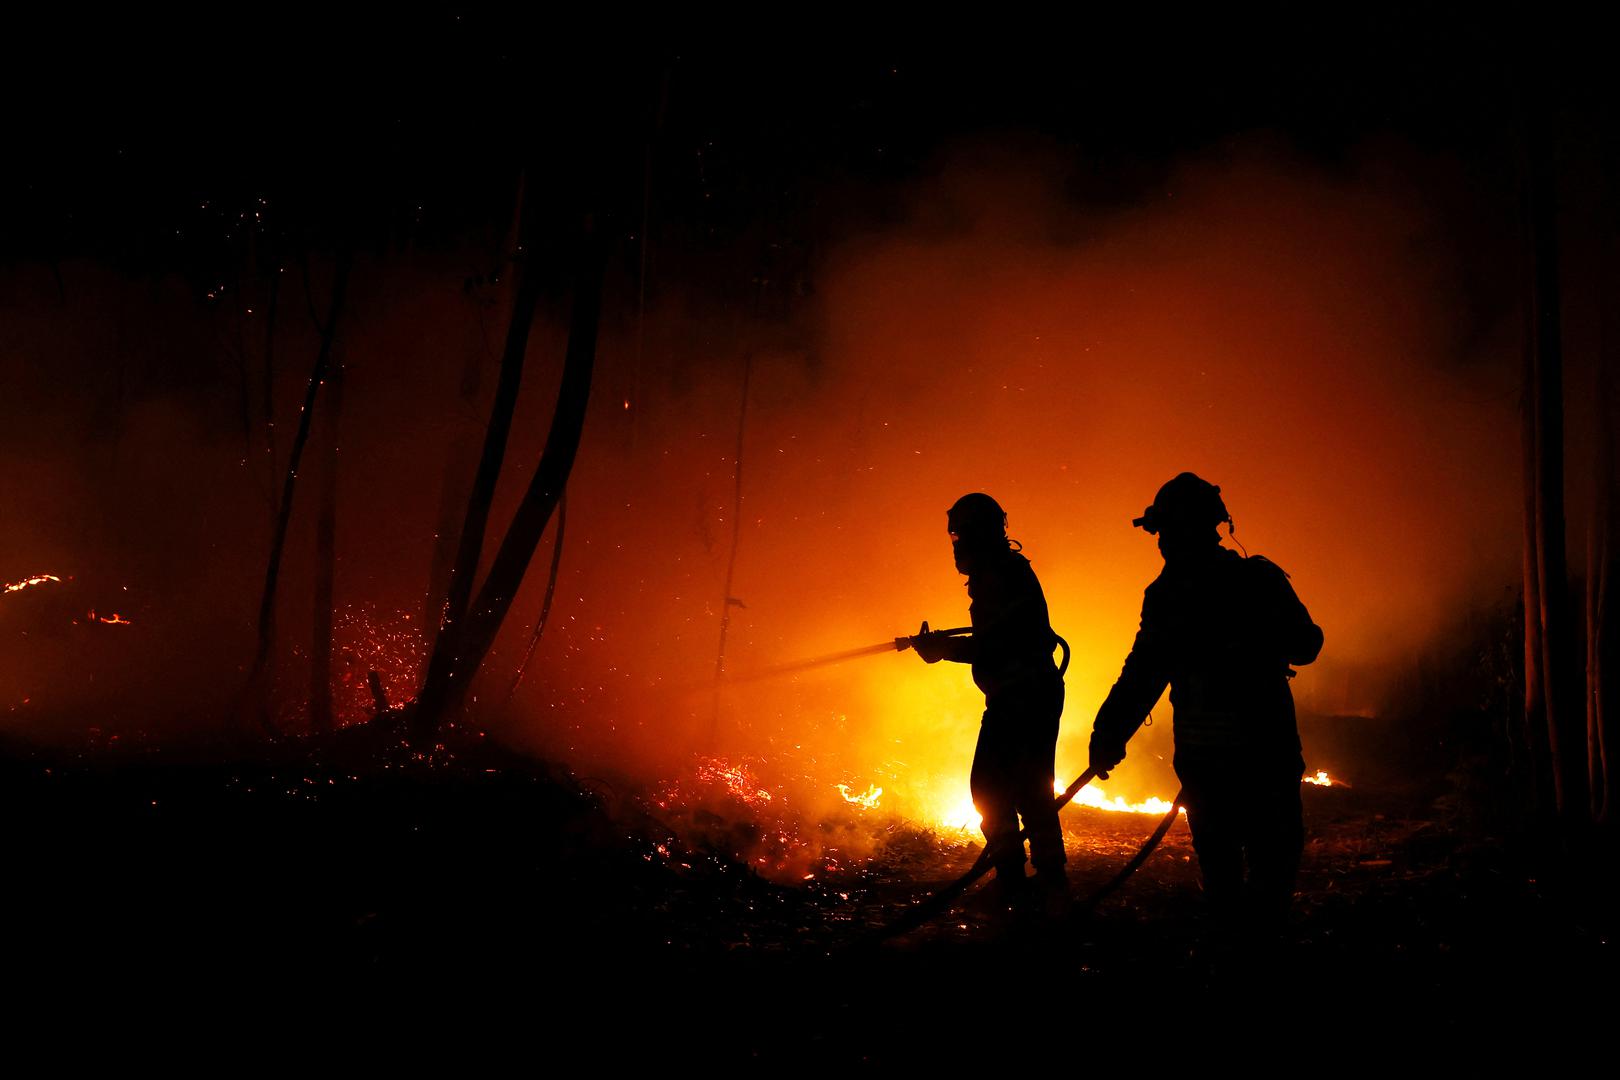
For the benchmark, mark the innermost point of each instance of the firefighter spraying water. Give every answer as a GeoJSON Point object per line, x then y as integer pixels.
{"type": "Point", "coordinates": [1010, 650]}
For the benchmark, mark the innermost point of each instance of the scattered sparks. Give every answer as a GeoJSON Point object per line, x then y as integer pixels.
{"type": "Point", "coordinates": [737, 779]}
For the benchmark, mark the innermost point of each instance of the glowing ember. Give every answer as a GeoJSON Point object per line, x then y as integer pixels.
{"type": "Point", "coordinates": [366, 639]}
{"type": "Point", "coordinates": [114, 619]}
{"type": "Point", "coordinates": [867, 800]}
{"type": "Point", "coordinates": [29, 582]}
{"type": "Point", "coordinates": [736, 779]}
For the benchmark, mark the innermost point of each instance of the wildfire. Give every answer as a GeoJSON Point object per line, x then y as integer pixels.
{"type": "Point", "coordinates": [962, 816]}
{"type": "Point", "coordinates": [114, 619]}
{"type": "Point", "coordinates": [30, 582]}
{"type": "Point", "coordinates": [1322, 779]}
{"type": "Point", "coordinates": [866, 800]}
{"type": "Point", "coordinates": [1090, 796]}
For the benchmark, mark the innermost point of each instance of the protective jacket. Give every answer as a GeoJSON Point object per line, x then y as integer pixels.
{"type": "Point", "coordinates": [1222, 631]}
{"type": "Point", "coordinates": [1012, 640]}
{"type": "Point", "coordinates": [1011, 653]}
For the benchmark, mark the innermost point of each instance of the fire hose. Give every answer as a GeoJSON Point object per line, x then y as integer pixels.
{"type": "Point", "coordinates": [899, 644]}
{"type": "Point", "coordinates": [942, 899]}
{"type": "Point", "coordinates": [939, 901]}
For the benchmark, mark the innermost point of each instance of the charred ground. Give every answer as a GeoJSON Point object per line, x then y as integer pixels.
{"type": "Point", "coordinates": [342, 884]}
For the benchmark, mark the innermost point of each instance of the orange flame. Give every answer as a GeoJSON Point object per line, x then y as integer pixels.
{"type": "Point", "coordinates": [28, 582]}
{"type": "Point", "coordinates": [1090, 796]}
{"type": "Point", "coordinates": [866, 800]}
{"type": "Point", "coordinates": [114, 619]}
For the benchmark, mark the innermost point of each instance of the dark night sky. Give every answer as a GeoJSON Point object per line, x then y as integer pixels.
{"type": "Point", "coordinates": [419, 121]}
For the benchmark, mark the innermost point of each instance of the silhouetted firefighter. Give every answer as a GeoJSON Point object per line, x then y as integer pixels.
{"type": "Point", "coordinates": [1222, 631]}
{"type": "Point", "coordinates": [1011, 653]}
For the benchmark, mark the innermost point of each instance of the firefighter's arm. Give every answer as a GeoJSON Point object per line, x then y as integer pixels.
{"type": "Point", "coordinates": [1141, 683]}
{"type": "Point", "coordinates": [1011, 611]}
{"type": "Point", "coordinates": [1298, 638]}
{"type": "Point", "coordinates": [1302, 638]}
{"type": "Point", "coordinates": [934, 647]}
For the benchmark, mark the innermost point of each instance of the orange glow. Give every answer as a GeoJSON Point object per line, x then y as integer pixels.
{"type": "Point", "coordinates": [114, 619]}
{"type": "Point", "coordinates": [960, 815]}
{"type": "Point", "coordinates": [1322, 779]}
{"type": "Point", "coordinates": [1069, 381]}
{"type": "Point", "coordinates": [1268, 327]}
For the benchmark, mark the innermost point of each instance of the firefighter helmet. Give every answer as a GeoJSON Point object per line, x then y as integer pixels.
{"type": "Point", "coordinates": [977, 516]}
{"type": "Point", "coordinates": [1187, 502]}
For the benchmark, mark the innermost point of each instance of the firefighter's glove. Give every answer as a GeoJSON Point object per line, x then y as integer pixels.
{"type": "Point", "coordinates": [931, 647]}
{"type": "Point", "coordinates": [1106, 754]}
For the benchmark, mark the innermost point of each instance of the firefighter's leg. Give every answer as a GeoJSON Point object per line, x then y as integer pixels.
{"type": "Point", "coordinates": [1213, 800]}
{"type": "Point", "coordinates": [1038, 729]}
{"type": "Point", "coordinates": [992, 784]}
{"type": "Point", "coordinates": [1275, 839]}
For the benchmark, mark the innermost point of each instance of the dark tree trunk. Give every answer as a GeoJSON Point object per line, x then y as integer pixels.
{"type": "Point", "coordinates": [551, 593]}
{"type": "Point", "coordinates": [728, 601]}
{"type": "Point", "coordinates": [320, 675]}
{"type": "Point", "coordinates": [1564, 742]}
{"type": "Point", "coordinates": [461, 461]}
{"type": "Point", "coordinates": [1600, 568]}
{"type": "Point", "coordinates": [1597, 558]}
{"type": "Point", "coordinates": [444, 663]}
{"type": "Point", "coordinates": [269, 390]}
{"type": "Point", "coordinates": [278, 540]}
{"type": "Point", "coordinates": [463, 643]}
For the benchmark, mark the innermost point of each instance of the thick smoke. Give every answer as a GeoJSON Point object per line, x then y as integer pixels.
{"type": "Point", "coordinates": [1297, 336]}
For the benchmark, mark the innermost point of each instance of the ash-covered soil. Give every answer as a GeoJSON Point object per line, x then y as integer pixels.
{"type": "Point", "coordinates": [486, 899]}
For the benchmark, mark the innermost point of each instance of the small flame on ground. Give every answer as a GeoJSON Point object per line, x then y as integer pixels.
{"type": "Point", "coordinates": [29, 582]}
{"type": "Point", "coordinates": [867, 800]}
{"type": "Point", "coordinates": [962, 816]}
{"type": "Point", "coordinates": [1322, 779]}
{"type": "Point", "coordinates": [1090, 796]}
{"type": "Point", "coordinates": [114, 619]}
